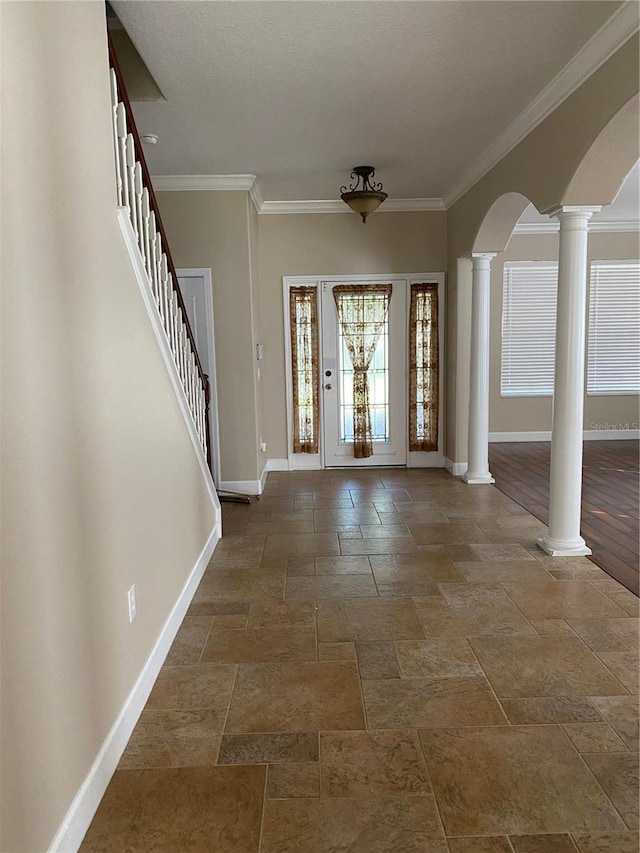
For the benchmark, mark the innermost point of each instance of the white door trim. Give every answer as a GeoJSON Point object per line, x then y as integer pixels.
{"type": "Point", "coordinates": [316, 461]}
{"type": "Point", "coordinates": [214, 423]}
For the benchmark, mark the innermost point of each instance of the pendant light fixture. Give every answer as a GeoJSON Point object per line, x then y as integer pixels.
{"type": "Point", "coordinates": [363, 196]}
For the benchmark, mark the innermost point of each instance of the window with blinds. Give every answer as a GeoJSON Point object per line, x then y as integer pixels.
{"type": "Point", "coordinates": [613, 364]}
{"type": "Point", "coordinates": [529, 292]}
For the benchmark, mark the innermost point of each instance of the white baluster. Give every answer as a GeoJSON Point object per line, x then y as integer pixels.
{"type": "Point", "coordinates": [114, 110]}
{"type": "Point", "coordinates": [137, 177]}
{"type": "Point", "coordinates": [164, 303]}
{"type": "Point", "coordinates": [131, 181]}
{"type": "Point", "coordinates": [153, 258]}
{"type": "Point", "coordinates": [181, 343]}
{"type": "Point", "coordinates": [121, 128]}
{"type": "Point", "coordinates": [159, 271]}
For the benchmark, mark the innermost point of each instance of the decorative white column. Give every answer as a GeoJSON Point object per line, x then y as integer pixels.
{"type": "Point", "coordinates": [563, 536]}
{"type": "Point", "coordinates": [478, 459]}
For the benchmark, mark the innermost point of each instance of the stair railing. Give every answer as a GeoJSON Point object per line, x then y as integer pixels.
{"type": "Point", "coordinates": [135, 193]}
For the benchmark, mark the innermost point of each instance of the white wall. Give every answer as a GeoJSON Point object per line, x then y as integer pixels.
{"type": "Point", "coordinates": [533, 414]}
{"type": "Point", "coordinates": [101, 487]}
{"type": "Point", "coordinates": [332, 244]}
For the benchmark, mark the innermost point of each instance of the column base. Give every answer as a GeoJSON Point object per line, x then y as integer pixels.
{"type": "Point", "coordinates": [477, 479]}
{"type": "Point", "coordinates": [559, 548]}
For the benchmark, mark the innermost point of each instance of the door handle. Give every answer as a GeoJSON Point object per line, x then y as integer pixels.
{"type": "Point", "coordinates": [328, 387]}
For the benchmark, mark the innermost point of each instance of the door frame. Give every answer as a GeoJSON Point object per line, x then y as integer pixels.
{"type": "Point", "coordinates": [316, 461]}
{"type": "Point", "coordinates": [214, 422]}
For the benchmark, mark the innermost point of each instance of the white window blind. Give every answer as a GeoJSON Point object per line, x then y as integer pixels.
{"type": "Point", "coordinates": [614, 328]}
{"type": "Point", "coordinates": [529, 292]}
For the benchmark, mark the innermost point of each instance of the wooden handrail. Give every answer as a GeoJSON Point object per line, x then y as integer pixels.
{"type": "Point", "coordinates": [153, 204]}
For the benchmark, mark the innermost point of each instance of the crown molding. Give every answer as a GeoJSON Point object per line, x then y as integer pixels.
{"type": "Point", "coordinates": [552, 227]}
{"type": "Point", "coordinates": [394, 205]}
{"type": "Point", "coordinates": [178, 183]}
{"type": "Point", "coordinates": [620, 27]}
{"type": "Point", "coordinates": [256, 196]}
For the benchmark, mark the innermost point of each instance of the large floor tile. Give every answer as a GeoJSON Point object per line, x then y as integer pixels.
{"type": "Point", "coordinates": [625, 666]}
{"type": "Point", "coordinates": [552, 709]}
{"type": "Point", "coordinates": [277, 697]}
{"type": "Point", "coordinates": [453, 531]}
{"type": "Point", "coordinates": [562, 599]}
{"type": "Point", "coordinates": [278, 748]}
{"type": "Point", "coordinates": [552, 843]}
{"type": "Point", "coordinates": [627, 629]}
{"type": "Point", "coordinates": [479, 571]}
{"type": "Point", "coordinates": [282, 614]}
{"type": "Point", "coordinates": [371, 825]}
{"type": "Point", "coordinates": [198, 809]}
{"type": "Point", "coordinates": [348, 620]}
{"type": "Point", "coordinates": [543, 666]}
{"type": "Point", "coordinates": [189, 641]}
{"type": "Point", "coordinates": [594, 737]}
{"type": "Point", "coordinates": [301, 545]}
{"type": "Point", "coordinates": [481, 844]}
{"type": "Point", "coordinates": [596, 634]}
{"type": "Point", "coordinates": [618, 775]}
{"type": "Point", "coordinates": [609, 842]}
{"type": "Point", "coordinates": [411, 703]}
{"type": "Point", "coordinates": [255, 645]}
{"type": "Point", "coordinates": [377, 659]}
{"type": "Point", "coordinates": [254, 584]}
{"type": "Point", "coordinates": [372, 764]}
{"type": "Point", "coordinates": [509, 780]}
{"type": "Point", "coordinates": [328, 518]}
{"type": "Point", "coordinates": [494, 616]}
{"type": "Point", "coordinates": [189, 687]}
{"type": "Point", "coordinates": [285, 781]}
{"type": "Point", "coordinates": [396, 545]}
{"type": "Point", "coordinates": [173, 739]}
{"type": "Point", "coordinates": [444, 658]}
{"type": "Point", "coordinates": [622, 714]}
{"type": "Point", "coordinates": [330, 586]}
{"type": "Point", "coordinates": [342, 566]}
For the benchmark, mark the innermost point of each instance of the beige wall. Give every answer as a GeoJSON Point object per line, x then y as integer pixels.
{"type": "Point", "coordinates": [100, 483]}
{"type": "Point", "coordinates": [533, 414]}
{"type": "Point", "coordinates": [540, 167]}
{"type": "Point", "coordinates": [331, 244]}
{"type": "Point", "coordinates": [212, 229]}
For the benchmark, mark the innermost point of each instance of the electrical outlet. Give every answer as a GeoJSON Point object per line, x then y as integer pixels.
{"type": "Point", "coordinates": [263, 446]}
{"type": "Point", "coordinates": [131, 598]}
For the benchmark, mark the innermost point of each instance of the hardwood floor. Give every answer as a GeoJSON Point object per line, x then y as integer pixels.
{"type": "Point", "coordinates": [610, 497]}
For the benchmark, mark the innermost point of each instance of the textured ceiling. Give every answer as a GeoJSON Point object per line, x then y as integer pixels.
{"type": "Point", "coordinates": [299, 92]}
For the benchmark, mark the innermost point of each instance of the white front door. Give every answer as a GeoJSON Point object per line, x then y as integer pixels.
{"type": "Point", "coordinates": [386, 380]}
{"type": "Point", "coordinates": [195, 286]}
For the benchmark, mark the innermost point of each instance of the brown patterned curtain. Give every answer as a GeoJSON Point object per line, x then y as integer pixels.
{"type": "Point", "coordinates": [423, 368]}
{"type": "Point", "coordinates": [303, 321]}
{"type": "Point", "coordinates": [362, 311]}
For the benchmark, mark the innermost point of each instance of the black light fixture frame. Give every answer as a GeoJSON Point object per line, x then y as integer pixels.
{"type": "Point", "coordinates": [362, 187]}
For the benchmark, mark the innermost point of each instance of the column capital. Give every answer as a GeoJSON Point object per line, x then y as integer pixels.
{"type": "Point", "coordinates": [582, 211]}
{"type": "Point", "coordinates": [489, 256]}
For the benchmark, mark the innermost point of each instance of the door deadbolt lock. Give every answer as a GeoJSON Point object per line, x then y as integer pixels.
{"type": "Point", "coordinates": [327, 373]}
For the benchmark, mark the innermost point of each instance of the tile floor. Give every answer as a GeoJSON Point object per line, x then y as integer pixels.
{"type": "Point", "coordinates": [382, 661]}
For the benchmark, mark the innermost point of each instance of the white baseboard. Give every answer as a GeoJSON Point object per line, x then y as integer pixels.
{"type": "Point", "coordinates": [277, 465]}
{"type": "Point", "coordinates": [85, 804]}
{"type": "Point", "coordinates": [455, 468]}
{"type": "Point", "coordinates": [588, 435]}
{"type": "Point", "coordinates": [611, 434]}
{"type": "Point", "coordinates": [242, 487]}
